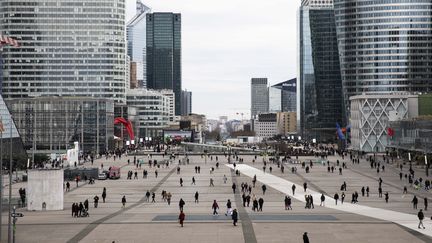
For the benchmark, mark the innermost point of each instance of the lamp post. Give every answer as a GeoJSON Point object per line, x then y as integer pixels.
{"type": "Point", "coordinates": [409, 159]}
{"type": "Point", "coordinates": [427, 166]}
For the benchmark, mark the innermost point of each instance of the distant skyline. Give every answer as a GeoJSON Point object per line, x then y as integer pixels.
{"type": "Point", "coordinates": [226, 43]}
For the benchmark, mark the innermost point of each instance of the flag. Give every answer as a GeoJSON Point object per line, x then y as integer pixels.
{"type": "Point", "coordinates": [1, 126]}
{"type": "Point", "coordinates": [390, 132]}
{"type": "Point", "coordinates": [5, 40]}
{"type": "Point", "coordinates": [339, 132]}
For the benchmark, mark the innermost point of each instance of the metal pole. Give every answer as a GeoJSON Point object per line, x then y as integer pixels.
{"type": "Point", "coordinates": [14, 223]}
{"type": "Point", "coordinates": [427, 166]}
{"type": "Point", "coordinates": [10, 185]}
{"type": "Point", "coordinates": [1, 179]}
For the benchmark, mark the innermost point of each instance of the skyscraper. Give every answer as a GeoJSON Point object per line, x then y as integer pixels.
{"type": "Point", "coordinates": [164, 54]}
{"type": "Point", "coordinates": [385, 46]}
{"type": "Point", "coordinates": [259, 96]}
{"type": "Point", "coordinates": [319, 87]}
{"type": "Point", "coordinates": [186, 102]}
{"type": "Point", "coordinates": [136, 40]}
{"type": "Point", "coordinates": [282, 96]}
{"type": "Point", "coordinates": [68, 48]}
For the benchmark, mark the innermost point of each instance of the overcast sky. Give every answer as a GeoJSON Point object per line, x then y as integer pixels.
{"type": "Point", "coordinates": [227, 42]}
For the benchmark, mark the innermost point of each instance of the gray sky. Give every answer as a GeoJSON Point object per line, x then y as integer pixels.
{"type": "Point", "coordinates": [226, 42]}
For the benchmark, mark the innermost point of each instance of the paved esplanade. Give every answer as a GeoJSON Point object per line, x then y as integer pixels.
{"type": "Point", "coordinates": [284, 186]}
{"type": "Point", "coordinates": [144, 221]}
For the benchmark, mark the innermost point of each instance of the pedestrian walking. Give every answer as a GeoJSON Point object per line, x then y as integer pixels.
{"type": "Point", "coordinates": [104, 194]}
{"type": "Point", "coordinates": [215, 207]}
{"type": "Point", "coordinates": [229, 208]}
{"type": "Point", "coordinates": [181, 181]}
{"type": "Point", "coordinates": [293, 189]}
{"type": "Point", "coordinates": [386, 197]}
{"type": "Point", "coordinates": [336, 198]}
{"type": "Point", "coordinates": [181, 218]}
{"type": "Point", "coordinates": [305, 186]}
{"type": "Point", "coordinates": [123, 201]}
{"type": "Point", "coordinates": [288, 203]}
{"type": "Point", "coordinates": [181, 204]}
{"type": "Point", "coordinates": [234, 217]}
{"type": "Point", "coordinates": [193, 181]}
{"type": "Point", "coordinates": [153, 197]}
{"type": "Point", "coordinates": [420, 216]}
{"type": "Point", "coordinates": [414, 202]}
{"type": "Point", "coordinates": [322, 200]}
{"type": "Point", "coordinates": [196, 197]}
{"type": "Point", "coordinates": [264, 188]}
{"type": "Point", "coordinates": [425, 203]}
{"type": "Point", "coordinates": [211, 182]}
{"type": "Point", "coordinates": [342, 197]}
{"type": "Point", "coordinates": [234, 187]}
{"type": "Point", "coordinates": [305, 238]}
{"type": "Point", "coordinates": [260, 203]}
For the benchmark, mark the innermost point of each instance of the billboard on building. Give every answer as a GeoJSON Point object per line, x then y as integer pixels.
{"type": "Point", "coordinates": [178, 135]}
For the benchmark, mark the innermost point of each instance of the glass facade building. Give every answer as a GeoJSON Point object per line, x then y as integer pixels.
{"type": "Point", "coordinates": [136, 42]}
{"type": "Point", "coordinates": [259, 96]}
{"type": "Point", "coordinates": [155, 109]}
{"type": "Point", "coordinates": [68, 48]}
{"type": "Point", "coordinates": [164, 54]}
{"type": "Point", "coordinates": [385, 46]}
{"type": "Point", "coordinates": [282, 96]}
{"type": "Point", "coordinates": [55, 123]}
{"type": "Point", "coordinates": [319, 87]}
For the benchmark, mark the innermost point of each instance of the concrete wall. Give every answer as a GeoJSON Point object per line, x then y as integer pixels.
{"type": "Point", "coordinates": [45, 186]}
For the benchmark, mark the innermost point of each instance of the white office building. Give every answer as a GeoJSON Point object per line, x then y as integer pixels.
{"type": "Point", "coordinates": [155, 109]}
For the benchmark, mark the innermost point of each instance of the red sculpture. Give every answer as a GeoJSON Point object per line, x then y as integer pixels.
{"type": "Point", "coordinates": [127, 124]}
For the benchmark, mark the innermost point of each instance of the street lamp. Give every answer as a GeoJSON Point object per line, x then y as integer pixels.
{"type": "Point", "coordinates": [409, 159]}
{"type": "Point", "coordinates": [427, 166]}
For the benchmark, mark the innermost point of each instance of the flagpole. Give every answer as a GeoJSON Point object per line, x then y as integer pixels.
{"type": "Point", "coordinates": [1, 174]}
{"type": "Point", "coordinates": [10, 185]}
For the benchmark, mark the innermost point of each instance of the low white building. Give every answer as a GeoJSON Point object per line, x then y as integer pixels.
{"type": "Point", "coordinates": [266, 126]}
{"type": "Point", "coordinates": [155, 109]}
{"type": "Point", "coordinates": [370, 116]}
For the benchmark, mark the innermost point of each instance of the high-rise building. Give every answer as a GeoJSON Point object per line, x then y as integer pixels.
{"type": "Point", "coordinates": [282, 96]}
{"type": "Point", "coordinates": [68, 48]}
{"type": "Point", "coordinates": [319, 88]}
{"type": "Point", "coordinates": [259, 96]}
{"type": "Point", "coordinates": [186, 102]}
{"type": "Point", "coordinates": [385, 46]}
{"type": "Point", "coordinates": [136, 30]}
{"type": "Point", "coordinates": [164, 54]}
{"type": "Point", "coordinates": [154, 110]}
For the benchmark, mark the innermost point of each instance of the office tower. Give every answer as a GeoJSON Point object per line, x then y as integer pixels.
{"type": "Point", "coordinates": [68, 48]}
{"type": "Point", "coordinates": [385, 46]}
{"type": "Point", "coordinates": [186, 105]}
{"type": "Point", "coordinates": [164, 54]}
{"type": "Point", "coordinates": [154, 110]}
{"type": "Point", "coordinates": [136, 41]}
{"type": "Point", "coordinates": [259, 96]}
{"type": "Point", "coordinates": [319, 88]}
{"type": "Point", "coordinates": [282, 96]}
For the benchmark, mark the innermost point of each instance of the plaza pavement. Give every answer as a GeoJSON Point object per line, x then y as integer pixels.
{"type": "Point", "coordinates": [156, 222]}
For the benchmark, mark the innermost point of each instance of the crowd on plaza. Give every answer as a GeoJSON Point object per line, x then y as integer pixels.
{"type": "Point", "coordinates": [248, 189]}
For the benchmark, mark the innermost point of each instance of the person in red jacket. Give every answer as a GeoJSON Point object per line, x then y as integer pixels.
{"type": "Point", "coordinates": [181, 218]}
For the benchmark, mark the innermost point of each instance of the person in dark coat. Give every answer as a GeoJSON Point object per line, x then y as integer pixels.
{"type": "Point", "coordinates": [305, 238]}
{"type": "Point", "coordinates": [261, 203]}
{"type": "Point", "coordinates": [234, 217]}
{"type": "Point", "coordinates": [80, 208]}
{"type": "Point", "coordinates": [123, 201]}
{"type": "Point", "coordinates": [104, 194]}
{"type": "Point", "coordinates": [181, 204]}
{"type": "Point", "coordinates": [181, 218]}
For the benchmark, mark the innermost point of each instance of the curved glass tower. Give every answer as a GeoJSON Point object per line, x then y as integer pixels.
{"type": "Point", "coordinates": [385, 46]}
{"type": "Point", "coordinates": [68, 48]}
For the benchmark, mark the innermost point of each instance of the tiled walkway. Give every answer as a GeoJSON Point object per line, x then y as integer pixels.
{"type": "Point", "coordinates": [408, 220]}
